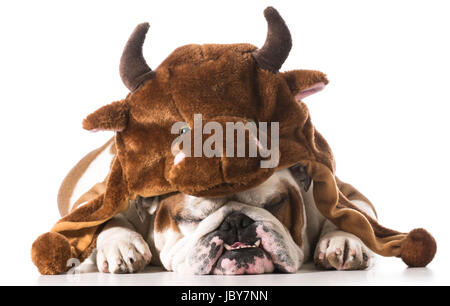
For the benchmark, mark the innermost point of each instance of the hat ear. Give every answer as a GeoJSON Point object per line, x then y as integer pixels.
{"type": "Point", "coordinates": [303, 83]}
{"type": "Point", "coordinates": [112, 117]}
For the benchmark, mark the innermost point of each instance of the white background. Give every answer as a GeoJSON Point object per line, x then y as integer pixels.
{"type": "Point", "coordinates": [385, 112]}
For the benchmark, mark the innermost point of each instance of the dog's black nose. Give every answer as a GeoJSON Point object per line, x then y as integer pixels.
{"type": "Point", "coordinates": [235, 221]}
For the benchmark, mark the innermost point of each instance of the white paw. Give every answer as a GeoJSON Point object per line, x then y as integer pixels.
{"type": "Point", "coordinates": [342, 251]}
{"type": "Point", "coordinates": [122, 251]}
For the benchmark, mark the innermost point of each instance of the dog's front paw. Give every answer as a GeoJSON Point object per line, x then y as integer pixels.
{"type": "Point", "coordinates": [342, 251]}
{"type": "Point", "coordinates": [125, 253]}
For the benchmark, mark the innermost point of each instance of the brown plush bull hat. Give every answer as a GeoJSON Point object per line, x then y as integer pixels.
{"type": "Point", "coordinates": [224, 83]}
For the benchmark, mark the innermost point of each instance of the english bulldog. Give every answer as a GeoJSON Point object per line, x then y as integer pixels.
{"type": "Point", "coordinates": [274, 227]}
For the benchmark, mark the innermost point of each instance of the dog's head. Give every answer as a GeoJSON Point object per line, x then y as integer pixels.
{"type": "Point", "coordinates": [225, 84]}
{"type": "Point", "coordinates": [252, 232]}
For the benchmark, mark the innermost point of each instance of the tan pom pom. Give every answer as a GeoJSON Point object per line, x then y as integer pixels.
{"type": "Point", "coordinates": [50, 253]}
{"type": "Point", "coordinates": [418, 248]}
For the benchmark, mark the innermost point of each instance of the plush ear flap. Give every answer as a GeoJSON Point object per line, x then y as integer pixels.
{"type": "Point", "coordinates": [112, 117]}
{"type": "Point", "coordinates": [303, 83]}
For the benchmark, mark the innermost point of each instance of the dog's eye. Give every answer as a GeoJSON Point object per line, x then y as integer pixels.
{"type": "Point", "coordinates": [276, 203]}
{"type": "Point", "coordinates": [187, 219]}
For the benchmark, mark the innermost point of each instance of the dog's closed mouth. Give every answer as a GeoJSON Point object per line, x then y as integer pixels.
{"type": "Point", "coordinates": [240, 245]}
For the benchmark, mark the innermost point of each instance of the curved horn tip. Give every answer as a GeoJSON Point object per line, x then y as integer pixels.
{"type": "Point", "coordinates": [143, 26]}
{"type": "Point", "coordinates": [270, 12]}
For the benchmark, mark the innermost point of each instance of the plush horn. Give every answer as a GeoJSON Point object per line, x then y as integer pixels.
{"type": "Point", "coordinates": [133, 68]}
{"type": "Point", "coordinates": [278, 42]}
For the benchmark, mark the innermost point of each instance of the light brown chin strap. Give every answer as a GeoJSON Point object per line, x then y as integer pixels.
{"type": "Point", "coordinates": [73, 177]}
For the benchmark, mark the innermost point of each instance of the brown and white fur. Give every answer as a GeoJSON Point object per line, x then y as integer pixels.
{"type": "Point", "coordinates": [180, 233]}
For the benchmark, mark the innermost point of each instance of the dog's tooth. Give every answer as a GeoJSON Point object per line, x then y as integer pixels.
{"type": "Point", "coordinates": [227, 247]}
{"type": "Point", "coordinates": [258, 243]}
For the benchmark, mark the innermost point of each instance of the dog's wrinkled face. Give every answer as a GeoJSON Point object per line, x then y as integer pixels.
{"type": "Point", "coordinates": [252, 232]}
